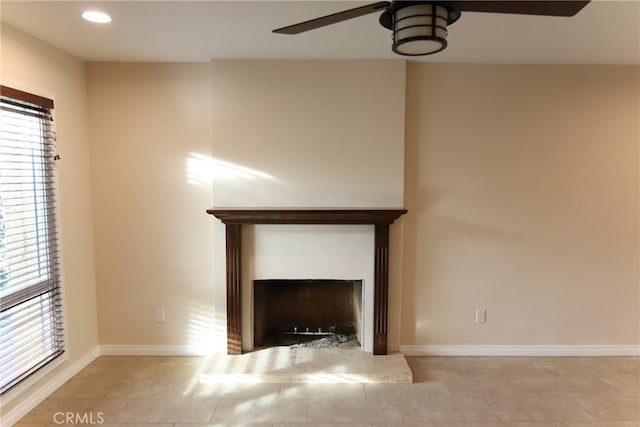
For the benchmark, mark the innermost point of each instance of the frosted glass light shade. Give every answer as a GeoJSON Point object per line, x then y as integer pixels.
{"type": "Point", "coordinates": [419, 29]}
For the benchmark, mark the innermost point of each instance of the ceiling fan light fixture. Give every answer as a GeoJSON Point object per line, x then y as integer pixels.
{"type": "Point", "coordinates": [420, 29]}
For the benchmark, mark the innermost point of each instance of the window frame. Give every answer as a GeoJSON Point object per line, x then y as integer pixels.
{"type": "Point", "coordinates": [47, 290]}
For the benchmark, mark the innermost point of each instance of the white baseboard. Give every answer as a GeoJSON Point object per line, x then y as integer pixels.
{"type": "Point", "coordinates": [520, 350]}
{"type": "Point", "coordinates": [153, 350]}
{"type": "Point", "coordinates": [44, 391]}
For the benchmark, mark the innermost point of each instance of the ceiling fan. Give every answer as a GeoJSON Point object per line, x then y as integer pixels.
{"type": "Point", "coordinates": [420, 27]}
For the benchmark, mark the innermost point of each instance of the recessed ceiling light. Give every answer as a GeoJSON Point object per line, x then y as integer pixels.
{"type": "Point", "coordinates": [97, 17]}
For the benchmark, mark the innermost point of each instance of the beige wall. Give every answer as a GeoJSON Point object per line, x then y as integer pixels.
{"type": "Point", "coordinates": [154, 241]}
{"type": "Point", "coordinates": [327, 133]}
{"type": "Point", "coordinates": [521, 184]}
{"type": "Point", "coordinates": [522, 190]}
{"type": "Point", "coordinates": [30, 64]}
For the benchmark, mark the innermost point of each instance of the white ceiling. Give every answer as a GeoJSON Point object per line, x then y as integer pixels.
{"type": "Point", "coordinates": [604, 32]}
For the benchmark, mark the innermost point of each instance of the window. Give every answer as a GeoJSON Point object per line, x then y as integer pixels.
{"type": "Point", "coordinates": [31, 333]}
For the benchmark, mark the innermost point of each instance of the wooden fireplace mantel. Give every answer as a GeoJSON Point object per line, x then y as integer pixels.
{"type": "Point", "coordinates": [235, 218]}
{"type": "Point", "coordinates": [307, 216]}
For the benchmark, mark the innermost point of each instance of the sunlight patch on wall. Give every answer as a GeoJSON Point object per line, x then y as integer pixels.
{"type": "Point", "coordinates": [203, 331]}
{"type": "Point", "coordinates": [203, 169]}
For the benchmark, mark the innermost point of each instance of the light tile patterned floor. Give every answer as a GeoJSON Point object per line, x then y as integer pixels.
{"type": "Point", "coordinates": [447, 392]}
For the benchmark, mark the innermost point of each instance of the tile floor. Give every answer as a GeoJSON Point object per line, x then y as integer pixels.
{"type": "Point", "coordinates": [447, 391]}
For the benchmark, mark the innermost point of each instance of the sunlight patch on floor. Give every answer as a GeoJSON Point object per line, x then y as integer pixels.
{"type": "Point", "coordinates": [304, 365]}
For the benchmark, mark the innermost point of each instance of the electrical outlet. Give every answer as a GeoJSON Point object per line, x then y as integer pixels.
{"type": "Point", "coordinates": [481, 315]}
{"type": "Point", "coordinates": [160, 315]}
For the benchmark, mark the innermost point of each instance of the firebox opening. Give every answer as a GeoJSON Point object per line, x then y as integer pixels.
{"type": "Point", "coordinates": [288, 312]}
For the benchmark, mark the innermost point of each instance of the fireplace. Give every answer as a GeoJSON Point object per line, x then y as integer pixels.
{"type": "Point", "coordinates": [307, 312]}
{"type": "Point", "coordinates": [375, 312]}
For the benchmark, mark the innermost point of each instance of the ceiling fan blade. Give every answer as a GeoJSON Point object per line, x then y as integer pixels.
{"type": "Point", "coordinates": [549, 8]}
{"type": "Point", "coordinates": [334, 18]}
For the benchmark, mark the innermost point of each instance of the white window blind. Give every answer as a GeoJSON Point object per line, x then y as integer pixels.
{"type": "Point", "coordinates": [31, 331]}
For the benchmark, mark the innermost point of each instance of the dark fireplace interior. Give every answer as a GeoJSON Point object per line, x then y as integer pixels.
{"type": "Point", "coordinates": [288, 312]}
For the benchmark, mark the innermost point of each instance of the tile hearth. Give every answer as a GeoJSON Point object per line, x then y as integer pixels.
{"type": "Point", "coordinates": [306, 365]}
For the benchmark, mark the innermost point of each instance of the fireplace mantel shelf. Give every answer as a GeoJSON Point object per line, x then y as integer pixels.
{"type": "Point", "coordinates": [307, 216]}
{"type": "Point", "coordinates": [234, 219]}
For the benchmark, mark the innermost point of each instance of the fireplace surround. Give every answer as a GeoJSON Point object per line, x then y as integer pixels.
{"type": "Point", "coordinates": [233, 219]}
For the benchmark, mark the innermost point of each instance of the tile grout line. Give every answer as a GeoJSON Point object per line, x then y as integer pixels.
{"type": "Point", "coordinates": [115, 419]}
{"type": "Point", "coordinates": [395, 401]}
{"type": "Point", "coordinates": [583, 409]}
{"type": "Point", "coordinates": [307, 402]}
{"type": "Point", "coordinates": [486, 401]}
{"type": "Point", "coordinates": [213, 414]}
